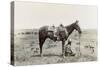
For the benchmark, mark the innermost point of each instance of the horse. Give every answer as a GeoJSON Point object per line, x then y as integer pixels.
{"type": "Point", "coordinates": [59, 35]}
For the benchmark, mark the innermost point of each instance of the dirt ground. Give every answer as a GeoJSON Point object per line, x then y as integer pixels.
{"type": "Point", "coordinates": [26, 49]}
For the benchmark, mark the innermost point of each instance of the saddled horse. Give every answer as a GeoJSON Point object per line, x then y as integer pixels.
{"type": "Point", "coordinates": [63, 36]}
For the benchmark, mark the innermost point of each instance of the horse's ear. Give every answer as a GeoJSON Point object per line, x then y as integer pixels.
{"type": "Point", "coordinates": [76, 21]}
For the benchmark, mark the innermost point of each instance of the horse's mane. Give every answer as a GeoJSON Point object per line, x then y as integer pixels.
{"type": "Point", "coordinates": [68, 26]}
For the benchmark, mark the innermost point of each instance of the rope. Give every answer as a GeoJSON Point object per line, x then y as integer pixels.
{"type": "Point", "coordinates": [79, 45]}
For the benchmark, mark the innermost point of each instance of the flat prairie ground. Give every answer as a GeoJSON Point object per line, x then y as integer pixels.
{"type": "Point", "coordinates": [26, 48]}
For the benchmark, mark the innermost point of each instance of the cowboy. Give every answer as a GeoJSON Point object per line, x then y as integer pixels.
{"type": "Point", "coordinates": [68, 51]}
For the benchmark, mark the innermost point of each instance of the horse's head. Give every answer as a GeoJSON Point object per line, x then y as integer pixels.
{"type": "Point", "coordinates": [76, 26]}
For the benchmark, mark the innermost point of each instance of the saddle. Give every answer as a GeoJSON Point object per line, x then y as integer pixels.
{"type": "Point", "coordinates": [59, 32]}
{"type": "Point", "coordinates": [51, 30]}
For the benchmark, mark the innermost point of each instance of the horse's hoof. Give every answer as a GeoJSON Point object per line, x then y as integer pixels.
{"type": "Point", "coordinates": [41, 55]}
{"type": "Point", "coordinates": [73, 54]}
{"type": "Point", "coordinates": [63, 56]}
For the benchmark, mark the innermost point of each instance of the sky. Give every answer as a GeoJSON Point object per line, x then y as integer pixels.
{"type": "Point", "coordinates": [30, 15]}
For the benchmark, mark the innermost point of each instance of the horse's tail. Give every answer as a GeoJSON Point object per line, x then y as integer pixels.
{"type": "Point", "coordinates": [41, 37]}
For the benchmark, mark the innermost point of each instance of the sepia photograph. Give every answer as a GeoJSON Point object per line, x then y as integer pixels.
{"type": "Point", "coordinates": [50, 33]}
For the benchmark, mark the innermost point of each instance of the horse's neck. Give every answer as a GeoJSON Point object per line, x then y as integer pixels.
{"type": "Point", "coordinates": [70, 29]}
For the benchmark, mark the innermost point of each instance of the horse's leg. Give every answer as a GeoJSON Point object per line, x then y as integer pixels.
{"type": "Point", "coordinates": [41, 49]}
{"type": "Point", "coordinates": [63, 50]}
{"type": "Point", "coordinates": [41, 42]}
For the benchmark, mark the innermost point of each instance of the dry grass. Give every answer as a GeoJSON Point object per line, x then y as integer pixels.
{"type": "Point", "coordinates": [27, 49]}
